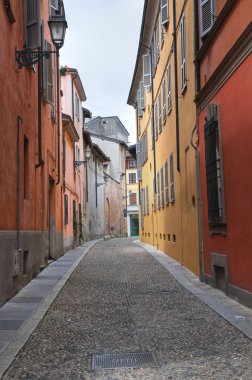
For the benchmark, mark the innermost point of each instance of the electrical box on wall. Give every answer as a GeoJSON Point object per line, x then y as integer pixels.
{"type": "Point", "coordinates": [15, 256]}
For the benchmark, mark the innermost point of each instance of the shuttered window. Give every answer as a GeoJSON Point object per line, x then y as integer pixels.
{"type": "Point", "coordinates": [139, 163]}
{"type": "Point", "coordinates": [147, 201]}
{"type": "Point", "coordinates": [139, 109]}
{"type": "Point", "coordinates": [48, 77]}
{"type": "Point", "coordinates": [169, 87]}
{"type": "Point", "coordinates": [154, 195]}
{"type": "Point", "coordinates": [157, 42]}
{"type": "Point", "coordinates": [159, 113]}
{"type": "Point", "coordinates": [65, 209]}
{"type": "Point", "coordinates": [162, 185]}
{"type": "Point", "coordinates": [183, 53]}
{"type": "Point", "coordinates": [158, 191]}
{"type": "Point", "coordinates": [152, 55]}
{"type": "Point", "coordinates": [215, 194]}
{"type": "Point", "coordinates": [146, 70]}
{"type": "Point", "coordinates": [142, 96]}
{"type": "Point", "coordinates": [133, 199]}
{"type": "Point", "coordinates": [207, 16]}
{"type": "Point", "coordinates": [141, 209]}
{"type": "Point", "coordinates": [32, 24]}
{"type": "Point", "coordinates": [156, 120]}
{"type": "Point", "coordinates": [172, 191]}
{"type": "Point", "coordinates": [164, 11]}
{"type": "Point", "coordinates": [166, 184]}
{"type": "Point", "coordinates": [54, 6]}
{"type": "Point", "coordinates": [144, 202]}
{"type": "Point", "coordinates": [152, 131]}
{"type": "Point", "coordinates": [164, 100]}
{"type": "Point", "coordinates": [132, 177]}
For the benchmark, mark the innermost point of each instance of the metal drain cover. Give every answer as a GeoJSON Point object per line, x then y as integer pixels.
{"type": "Point", "coordinates": [126, 360]}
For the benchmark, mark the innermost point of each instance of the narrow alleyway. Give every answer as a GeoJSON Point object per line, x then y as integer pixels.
{"type": "Point", "coordinates": [121, 300]}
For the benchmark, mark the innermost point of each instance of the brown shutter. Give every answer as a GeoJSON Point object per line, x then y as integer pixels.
{"type": "Point", "coordinates": [32, 24]}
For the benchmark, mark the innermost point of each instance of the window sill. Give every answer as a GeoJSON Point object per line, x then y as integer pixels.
{"type": "Point", "coordinates": [218, 228]}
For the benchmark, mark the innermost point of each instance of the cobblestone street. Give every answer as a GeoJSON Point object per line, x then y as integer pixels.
{"type": "Point", "coordinates": [121, 300]}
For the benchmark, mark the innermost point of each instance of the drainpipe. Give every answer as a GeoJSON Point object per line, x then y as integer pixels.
{"type": "Point", "coordinates": [19, 123]}
{"type": "Point", "coordinates": [195, 146]}
{"type": "Point", "coordinates": [40, 160]}
{"type": "Point", "coordinates": [176, 82]}
{"type": "Point", "coordinates": [58, 112]}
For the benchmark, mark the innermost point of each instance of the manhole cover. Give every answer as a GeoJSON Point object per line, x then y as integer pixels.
{"type": "Point", "coordinates": [127, 360]}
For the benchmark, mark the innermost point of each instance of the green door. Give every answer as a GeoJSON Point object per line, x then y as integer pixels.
{"type": "Point", "coordinates": [134, 229]}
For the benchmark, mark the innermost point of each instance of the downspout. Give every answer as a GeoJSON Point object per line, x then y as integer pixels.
{"type": "Point", "coordinates": [40, 161]}
{"type": "Point", "coordinates": [176, 82]}
{"type": "Point", "coordinates": [195, 146]}
{"type": "Point", "coordinates": [58, 112]}
{"type": "Point", "coordinates": [19, 123]}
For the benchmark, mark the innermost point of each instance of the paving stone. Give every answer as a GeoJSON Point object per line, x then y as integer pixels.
{"type": "Point", "coordinates": [122, 300]}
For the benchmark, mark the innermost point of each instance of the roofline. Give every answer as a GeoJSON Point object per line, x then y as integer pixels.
{"type": "Point", "coordinates": [130, 101]}
{"type": "Point", "coordinates": [109, 117]}
{"type": "Point", "coordinates": [109, 139]}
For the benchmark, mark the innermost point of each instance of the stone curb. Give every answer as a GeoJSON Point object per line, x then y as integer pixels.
{"type": "Point", "coordinates": [29, 325]}
{"type": "Point", "coordinates": [236, 314]}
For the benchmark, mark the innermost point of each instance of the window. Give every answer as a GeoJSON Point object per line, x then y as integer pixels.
{"type": "Point", "coordinates": [132, 177]}
{"type": "Point", "coordinates": [132, 198]}
{"type": "Point", "coordinates": [54, 6]}
{"type": "Point", "coordinates": [74, 213]}
{"type": "Point", "coordinates": [142, 95]}
{"type": "Point", "coordinates": [147, 201]}
{"type": "Point", "coordinates": [207, 16]}
{"type": "Point", "coordinates": [154, 195]}
{"type": "Point", "coordinates": [164, 101]}
{"type": "Point", "coordinates": [26, 167]}
{"type": "Point", "coordinates": [139, 109]}
{"type": "Point", "coordinates": [156, 119]}
{"type": "Point", "coordinates": [159, 113]}
{"type": "Point", "coordinates": [65, 209]}
{"type": "Point", "coordinates": [32, 24]}
{"type": "Point", "coordinates": [172, 192]}
{"type": "Point", "coordinates": [144, 201]}
{"type": "Point", "coordinates": [48, 77]}
{"type": "Point", "coordinates": [164, 11]}
{"type": "Point", "coordinates": [132, 164]}
{"type": "Point", "coordinates": [77, 153]}
{"type": "Point", "coordinates": [183, 54]}
{"type": "Point", "coordinates": [141, 208]}
{"type": "Point", "coordinates": [158, 191]}
{"type": "Point", "coordinates": [146, 70]}
{"type": "Point", "coordinates": [213, 161]}
{"type": "Point", "coordinates": [169, 87]}
{"type": "Point", "coordinates": [162, 186]}
{"type": "Point", "coordinates": [77, 106]}
{"type": "Point", "coordinates": [166, 184]}
{"type": "Point", "coordinates": [139, 163]}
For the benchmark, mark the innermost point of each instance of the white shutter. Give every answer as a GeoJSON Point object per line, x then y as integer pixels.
{"type": "Point", "coordinates": [183, 54]}
{"type": "Point", "coordinates": [159, 113]}
{"type": "Point", "coordinates": [156, 120]}
{"type": "Point", "coordinates": [157, 42]}
{"type": "Point", "coordinates": [32, 24]}
{"type": "Point", "coordinates": [139, 163]}
{"type": "Point", "coordinates": [146, 70]}
{"type": "Point", "coordinates": [172, 192]}
{"type": "Point", "coordinates": [206, 16]}
{"type": "Point", "coordinates": [169, 87]}
{"type": "Point", "coordinates": [164, 11]}
{"type": "Point", "coordinates": [139, 110]}
{"type": "Point", "coordinates": [162, 185]}
{"type": "Point", "coordinates": [166, 184]}
{"type": "Point", "coordinates": [142, 96]}
{"type": "Point", "coordinates": [54, 6]}
{"type": "Point", "coordinates": [164, 101]}
{"type": "Point", "coordinates": [152, 131]}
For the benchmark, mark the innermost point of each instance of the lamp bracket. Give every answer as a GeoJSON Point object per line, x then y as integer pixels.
{"type": "Point", "coordinates": [31, 57]}
{"type": "Point", "coordinates": [78, 163]}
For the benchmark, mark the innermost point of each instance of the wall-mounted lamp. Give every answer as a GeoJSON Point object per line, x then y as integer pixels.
{"type": "Point", "coordinates": [87, 156]}
{"type": "Point", "coordinates": [57, 25]}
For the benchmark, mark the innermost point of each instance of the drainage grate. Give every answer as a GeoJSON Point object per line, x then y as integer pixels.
{"type": "Point", "coordinates": [126, 360]}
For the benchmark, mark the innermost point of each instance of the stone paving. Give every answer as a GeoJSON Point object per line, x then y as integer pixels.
{"type": "Point", "coordinates": [120, 299]}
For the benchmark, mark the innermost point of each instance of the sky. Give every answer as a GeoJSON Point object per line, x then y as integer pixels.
{"type": "Point", "coordinates": [101, 43]}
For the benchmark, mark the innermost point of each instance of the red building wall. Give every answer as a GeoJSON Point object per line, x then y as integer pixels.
{"type": "Point", "coordinates": [233, 95]}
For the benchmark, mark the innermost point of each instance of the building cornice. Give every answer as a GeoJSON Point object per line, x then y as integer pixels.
{"type": "Point", "coordinates": [234, 58]}
{"type": "Point", "coordinates": [69, 127]}
{"type": "Point", "coordinates": [215, 29]}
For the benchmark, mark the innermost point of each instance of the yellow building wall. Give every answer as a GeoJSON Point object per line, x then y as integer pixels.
{"type": "Point", "coordinates": [174, 228]}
